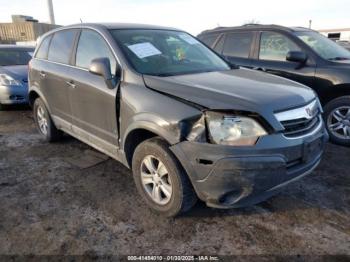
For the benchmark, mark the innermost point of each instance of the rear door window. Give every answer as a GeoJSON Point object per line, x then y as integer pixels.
{"type": "Point", "coordinates": [92, 45]}
{"type": "Point", "coordinates": [44, 48]}
{"type": "Point", "coordinates": [238, 44]}
{"type": "Point", "coordinates": [275, 46]}
{"type": "Point", "coordinates": [61, 46]}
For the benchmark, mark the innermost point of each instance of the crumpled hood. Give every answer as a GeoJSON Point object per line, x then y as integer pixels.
{"type": "Point", "coordinates": [239, 89]}
{"type": "Point", "coordinates": [18, 72]}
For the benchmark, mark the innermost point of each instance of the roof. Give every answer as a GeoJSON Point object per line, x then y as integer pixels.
{"type": "Point", "coordinates": [257, 27]}
{"type": "Point", "coordinates": [123, 26]}
{"type": "Point", "coordinates": [18, 47]}
{"type": "Point", "coordinates": [101, 26]}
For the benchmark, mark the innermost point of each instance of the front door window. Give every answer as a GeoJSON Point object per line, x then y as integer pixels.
{"type": "Point", "coordinates": [275, 46]}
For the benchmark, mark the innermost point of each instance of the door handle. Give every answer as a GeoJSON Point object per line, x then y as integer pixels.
{"type": "Point", "coordinates": [260, 69]}
{"type": "Point", "coordinates": [42, 74]}
{"type": "Point", "coordinates": [71, 84]}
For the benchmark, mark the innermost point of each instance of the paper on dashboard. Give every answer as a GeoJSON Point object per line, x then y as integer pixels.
{"type": "Point", "coordinates": [143, 50]}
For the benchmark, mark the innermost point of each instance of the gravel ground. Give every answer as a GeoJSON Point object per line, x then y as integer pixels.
{"type": "Point", "coordinates": [65, 198]}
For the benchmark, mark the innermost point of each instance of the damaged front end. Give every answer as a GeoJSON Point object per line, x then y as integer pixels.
{"type": "Point", "coordinates": [239, 160]}
{"type": "Point", "coordinates": [225, 128]}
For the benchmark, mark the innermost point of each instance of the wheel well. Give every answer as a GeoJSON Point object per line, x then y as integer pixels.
{"type": "Point", "coordinates": [133, 139]}
{"type": "Point", "coordinates": [337, 91]}
{"type": "Point", "coordinates": [32, 96]}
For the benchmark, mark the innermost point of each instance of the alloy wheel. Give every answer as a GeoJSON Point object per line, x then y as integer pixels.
{"type": "Point", "coordinates": [338, 122]}
{"type": "Point", "coordinates": [156, 180]}
{"type": "Point", "coordinates": [42, 120]}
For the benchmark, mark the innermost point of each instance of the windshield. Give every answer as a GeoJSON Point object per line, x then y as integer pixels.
{"type": "Point", "coordinates": [166, 52]}
{"type": "Point", "coordinates": [323, 46]}
{"type": "Point", "coordinates": [15, 57]}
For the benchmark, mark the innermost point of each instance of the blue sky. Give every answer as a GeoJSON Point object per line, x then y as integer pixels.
{"type": "Point", "coordinates": [190, 15]}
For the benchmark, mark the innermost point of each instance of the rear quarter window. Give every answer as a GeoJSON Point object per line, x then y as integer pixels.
{"type": "Point", "coordinates": [209, 40]}
{"type": "Point", "coordinates": [61, 46]}
{"type": "Point", "coordinates": [43, 48]}
{"type": "Point", "coordinates": [219, 46]}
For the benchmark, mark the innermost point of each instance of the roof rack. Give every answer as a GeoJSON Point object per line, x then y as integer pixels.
{"type": "Point", "coordinates": [251, 24]}
{"type": "Point", "coordinates": [262, 26]}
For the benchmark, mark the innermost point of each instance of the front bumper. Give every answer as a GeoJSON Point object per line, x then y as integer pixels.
{"type": "Point", "coordinates": [10, 95]}
{"type": "Point", "coordinates": [227, 176]}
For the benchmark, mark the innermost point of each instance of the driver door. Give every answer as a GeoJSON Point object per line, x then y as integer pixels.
{"type": "Point", "coordinates": [93, 103]}
{"type": "Point", "coordinates": [271, 58]}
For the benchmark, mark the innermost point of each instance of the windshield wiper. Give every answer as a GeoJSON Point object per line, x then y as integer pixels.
{"type": "Point", "coordinates": [186, 73]}
{"type": "Point", "coordinates": [339, 58]}
{"type": "Point", "coordinates": [165, 74]}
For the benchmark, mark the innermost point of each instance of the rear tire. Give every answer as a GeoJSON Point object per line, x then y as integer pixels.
{"type": "Point", "coordinates": [337, 119]}
{"type": "Point", "coordinates": [44, 123]}
{"type": "Point", "coordinates": [161, 180]}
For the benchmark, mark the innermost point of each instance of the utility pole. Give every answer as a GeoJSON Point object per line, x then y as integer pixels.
{"type": "Point", "coordinates": [51, 14]}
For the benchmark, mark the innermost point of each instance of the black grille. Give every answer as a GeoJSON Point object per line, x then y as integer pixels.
{"type": "Point", "coordinates": [16, 97]}
{"type": "Point", "coordinates": [301, 126]}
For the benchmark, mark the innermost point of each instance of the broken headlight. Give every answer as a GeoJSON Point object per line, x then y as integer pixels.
{"type": "Point", "coordinates": [233, 130]}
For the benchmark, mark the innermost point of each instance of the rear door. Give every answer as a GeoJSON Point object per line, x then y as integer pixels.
{"type": "Point", "coordinates": [38, 64]}
{"type": "Point", "coordinates": [55, 75]}
{"type": "Point", "coordinates": [93, 103]}
{"type": "Point", "coordinates": [272, 49]}
{"type": "Point", "coordinates": [237, 47]}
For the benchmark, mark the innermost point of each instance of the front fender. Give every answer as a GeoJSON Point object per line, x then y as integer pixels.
{"type": "Point", "coordinates": [155, 124]}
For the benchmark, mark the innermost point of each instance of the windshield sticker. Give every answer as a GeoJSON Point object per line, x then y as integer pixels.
{"type": "Point", "coordinates": [189, 39]}
{"type": "Point", "coordinates": [143, 50]}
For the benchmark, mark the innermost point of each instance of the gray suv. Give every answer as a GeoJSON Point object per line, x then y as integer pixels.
{"type": "Point", "coordinates": [187, 123]}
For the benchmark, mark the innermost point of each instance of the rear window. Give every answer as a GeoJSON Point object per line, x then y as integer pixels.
{"type": "Point", "coordinates": [209, 39]}
{"type": "Point", "coordinates": [61, 46]}
{"type": "Point", "coordinates": [238, 44]}
{"type": "Point", "coordinates": [44, 48]}
{"type": "Point", "coordinates": [10, 57]}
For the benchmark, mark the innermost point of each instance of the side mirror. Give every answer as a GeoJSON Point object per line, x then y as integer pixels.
{"type": "Point", "coordinates": [296, 56]}
{"type": "Point", "coordinates": [102, 67]}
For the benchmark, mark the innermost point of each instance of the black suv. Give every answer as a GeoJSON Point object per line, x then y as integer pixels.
{"type": "Point", "coordinates": [300, 54]}
{"type": "Point", "coordinates": [171, 109]}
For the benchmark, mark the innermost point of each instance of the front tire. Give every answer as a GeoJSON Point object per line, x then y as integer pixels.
{"type": "Point", "coordinates": [161, 180]}
{"type": "Point", "coordinates": [337, 119]}
{"type": "Point", "coordinates": [44, 123]}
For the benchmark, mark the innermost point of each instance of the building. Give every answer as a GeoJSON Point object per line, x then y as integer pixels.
{"type": "Point", "coordinates": [23, 29]}
{"type": "Point", "coordinates": [341, 34]}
